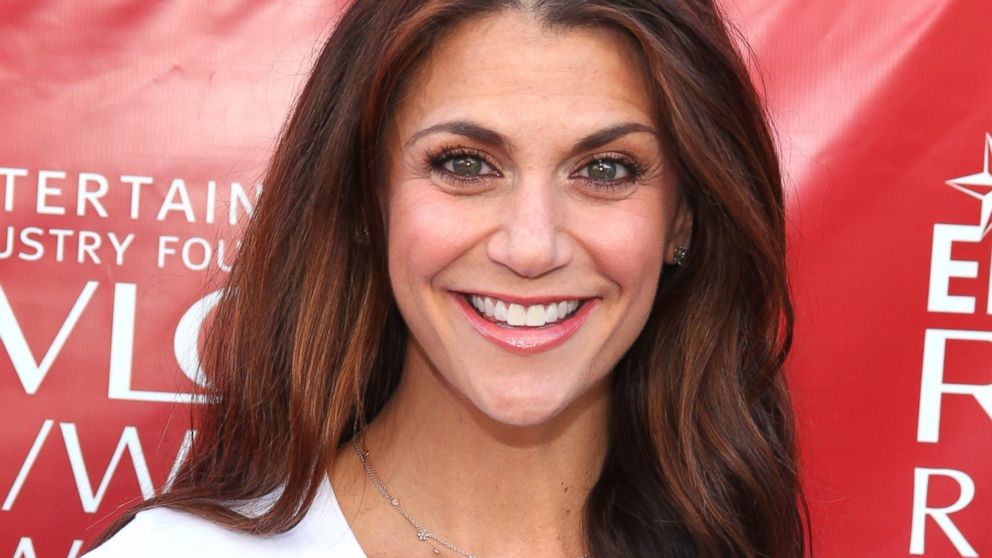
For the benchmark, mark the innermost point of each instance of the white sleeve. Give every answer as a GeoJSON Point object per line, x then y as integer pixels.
{"type": "Point", "coordinates": [165, 533]}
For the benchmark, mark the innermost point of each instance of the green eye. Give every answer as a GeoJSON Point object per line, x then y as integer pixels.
{"type": "Point", "coordinates": [605, 170]}
{"type": "Point", "coordinates": [467, 166]}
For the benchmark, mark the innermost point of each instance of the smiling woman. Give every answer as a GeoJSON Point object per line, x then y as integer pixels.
{"type": "Point", "coordinates": [525, 280]}
{"type": "Point", "coordinates": [525, 173]}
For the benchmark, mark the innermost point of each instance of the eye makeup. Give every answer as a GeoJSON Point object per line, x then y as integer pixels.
{"type": "Point", "coordinates": [451, 163]}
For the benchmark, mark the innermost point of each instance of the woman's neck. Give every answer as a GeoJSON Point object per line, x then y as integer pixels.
{"type": "Point", "coordinates": [489, 488]}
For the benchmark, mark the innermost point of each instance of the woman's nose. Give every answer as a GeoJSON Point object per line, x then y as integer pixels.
{"type": "Point", "coordinates": [530, 239]}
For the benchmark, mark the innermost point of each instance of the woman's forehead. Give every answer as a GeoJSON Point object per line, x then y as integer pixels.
{"type": "Point", "coordinates": [511, 66]}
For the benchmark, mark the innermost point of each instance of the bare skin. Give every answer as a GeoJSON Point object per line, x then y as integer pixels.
{"type": "Point", "coordinates": [496, 450]}
{"type": "Point", "coordinates": [488, 488]}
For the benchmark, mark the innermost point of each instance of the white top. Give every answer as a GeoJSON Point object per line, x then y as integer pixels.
{"type": "Point", "coordinates": [165, 533]}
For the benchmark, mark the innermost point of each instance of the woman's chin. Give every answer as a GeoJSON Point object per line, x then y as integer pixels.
{"type": "Point", "coordinates": [522, 415]}
{"type": "Point", "coordinates": [519, 408]}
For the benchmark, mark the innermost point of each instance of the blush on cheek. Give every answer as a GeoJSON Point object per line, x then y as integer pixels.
{"type": "Point", "coordinates": [428, 230]}
{"type": "Point", "coordinates": [627, 245]}
{"type": "Point", "coordinates": [411, 215]}
{"type": "Point", "coordinates": [434, 220]}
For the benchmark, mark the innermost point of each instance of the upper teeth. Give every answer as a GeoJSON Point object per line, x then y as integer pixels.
{"type": "Point", "coordinates": [519, 315]}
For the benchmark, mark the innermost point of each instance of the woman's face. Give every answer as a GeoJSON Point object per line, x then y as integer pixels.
{"type": "Point", "coordinates": [529, 213]}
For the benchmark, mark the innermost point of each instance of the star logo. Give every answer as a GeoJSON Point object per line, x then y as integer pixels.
{"type": "Point", "coordinates": [979, 186]}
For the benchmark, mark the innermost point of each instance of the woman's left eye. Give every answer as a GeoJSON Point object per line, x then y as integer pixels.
{"type": "Point", "coordinates": [605, 170]}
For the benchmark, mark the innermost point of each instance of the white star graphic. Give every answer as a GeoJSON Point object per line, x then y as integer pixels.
{"type": "Point", "coordinates": [974, 184]}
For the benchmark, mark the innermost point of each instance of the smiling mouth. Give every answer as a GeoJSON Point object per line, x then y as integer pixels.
{"type": "Point", "coordinates": [512, 315]}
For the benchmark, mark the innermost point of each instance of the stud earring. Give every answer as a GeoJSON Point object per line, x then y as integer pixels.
{"type": "Point", "coordinates": [681, 252]}
{"type": "Point", "coordinates": [362, 235]}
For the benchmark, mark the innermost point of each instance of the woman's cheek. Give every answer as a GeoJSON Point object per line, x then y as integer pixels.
{"type": "Point", "coordinates": [428, 228]}
{"type": "Point", "coordinates": [626, 239]}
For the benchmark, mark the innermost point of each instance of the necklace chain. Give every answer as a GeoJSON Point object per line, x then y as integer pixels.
{"type": "Point", "coordinates": [423, 534]}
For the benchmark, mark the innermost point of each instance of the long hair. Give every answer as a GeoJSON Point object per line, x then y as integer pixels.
{"type": "Point", "coordinates": [306, 344]}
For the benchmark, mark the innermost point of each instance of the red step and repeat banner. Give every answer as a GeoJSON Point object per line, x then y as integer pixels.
{"type": "Point", "coordinates": [133, 136]}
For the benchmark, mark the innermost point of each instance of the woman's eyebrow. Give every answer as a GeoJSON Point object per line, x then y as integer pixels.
{"type": "Point", "coordinates": [465, 128]}
{"type": "Point", "coordinates": [608, 134]}
{"type": "Point", "coordinates": [493, 138]}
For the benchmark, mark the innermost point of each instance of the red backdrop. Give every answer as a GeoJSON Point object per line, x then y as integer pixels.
{"type": "Point", "coordinates": [132, 140]}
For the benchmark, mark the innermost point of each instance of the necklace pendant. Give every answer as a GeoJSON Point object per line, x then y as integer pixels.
{"type": "Point", "coordinates": [423, 535]}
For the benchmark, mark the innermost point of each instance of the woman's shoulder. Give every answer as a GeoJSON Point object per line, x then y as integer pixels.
{"type": "Point", "coordinates": [163, 532]}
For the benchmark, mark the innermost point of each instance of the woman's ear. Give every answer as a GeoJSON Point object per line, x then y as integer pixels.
{"type": "Point", "coordinates": [681, 233]}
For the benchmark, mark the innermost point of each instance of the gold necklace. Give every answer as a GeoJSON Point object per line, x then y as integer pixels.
{"type": "Point", "coordinates": [423, 534]}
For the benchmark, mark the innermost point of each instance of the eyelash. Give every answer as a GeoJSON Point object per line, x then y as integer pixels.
{"type": "Point", "coordinates": [437, 158]}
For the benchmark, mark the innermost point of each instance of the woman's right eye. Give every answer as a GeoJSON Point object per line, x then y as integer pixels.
{"type": "Point", "coordinates": [466, 165]}
{"type": "Point", "coordinates": [462, 166]}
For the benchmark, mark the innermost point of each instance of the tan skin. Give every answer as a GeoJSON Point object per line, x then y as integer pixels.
{"type": "Point", "coordinates": [494, 450]}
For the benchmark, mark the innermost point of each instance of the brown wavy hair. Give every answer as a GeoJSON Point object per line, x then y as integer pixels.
{"type": "Point", "coordinates": [306, 344]}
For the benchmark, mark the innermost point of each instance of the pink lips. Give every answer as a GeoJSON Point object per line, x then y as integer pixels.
{"type": "Point", "coordinates": [525, 339]}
